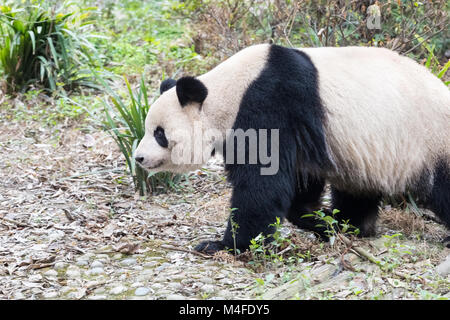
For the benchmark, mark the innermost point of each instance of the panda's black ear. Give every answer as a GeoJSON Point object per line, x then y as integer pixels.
{"type": "Point", "coordinates": [190, 89]}
{"type": "Point", "coordinates": [166, 85]}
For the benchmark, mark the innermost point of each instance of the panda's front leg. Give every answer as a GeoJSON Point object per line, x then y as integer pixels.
{"type": "Point", "coordinates": [256, 203]}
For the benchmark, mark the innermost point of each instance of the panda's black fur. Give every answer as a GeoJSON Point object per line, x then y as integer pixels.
{"type": "Point", "coordinates": [288, 101]}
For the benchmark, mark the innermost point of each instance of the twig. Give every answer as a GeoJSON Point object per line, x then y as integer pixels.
{"type": "Point", "coordinates": [359, 250]}
{"type": "Point", "coordinates": [424, 40]}
{"type": "Point", "coordinates": [343, 262]}
{"type": "Point", "coordinates": [19, 224]}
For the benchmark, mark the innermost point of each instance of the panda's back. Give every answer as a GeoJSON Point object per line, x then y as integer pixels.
{"type": "Point", "coordinates": [387, 116]}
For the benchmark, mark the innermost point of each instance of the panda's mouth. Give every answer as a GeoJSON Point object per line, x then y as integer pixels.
{"type": "Point", "coordinates": [147, 167]}
{"type": "Point", "coordinates": [158, 164]}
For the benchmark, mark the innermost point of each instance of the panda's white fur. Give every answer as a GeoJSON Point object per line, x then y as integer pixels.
{"type": "Point", "coordinates": [376, 102]}
{"type": "Point", "coordinates": [380, 122]}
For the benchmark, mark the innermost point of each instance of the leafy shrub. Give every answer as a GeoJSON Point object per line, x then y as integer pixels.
{"type": "Point", "coordinates": [125, 121]}
{"type": "Point", "coordinates": [226, 26]}
{"type": "Point", "coordinates": [46, 45]}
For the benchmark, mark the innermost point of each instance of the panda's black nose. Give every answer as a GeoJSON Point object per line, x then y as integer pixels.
{"type": "Point", "coordinates": [139, 159]}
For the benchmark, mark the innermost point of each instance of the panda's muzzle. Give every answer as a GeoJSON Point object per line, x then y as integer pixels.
{"type": "Point", "coordinates": [140, 161]}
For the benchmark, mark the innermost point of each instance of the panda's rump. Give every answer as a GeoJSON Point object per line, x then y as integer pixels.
{"type": "Point", "coordinates": [387, 118]}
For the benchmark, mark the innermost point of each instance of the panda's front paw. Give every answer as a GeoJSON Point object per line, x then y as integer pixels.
{"type": "Point", "coordinates": [210, 247]}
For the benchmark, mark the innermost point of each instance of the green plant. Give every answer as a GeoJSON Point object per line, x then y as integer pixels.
{"type": "Point", "coordinates": [125, 121]}
{"type": "Point", "coordinates": [46, 45]}
{"type": "Point", "coordinates": [234, 227]}
{"type": "Point", "coordinates": [271, 249]}
{"type": "Point", "coordinates": [432, 63]}
{"type": "Point", "coordinates": [331, 225]}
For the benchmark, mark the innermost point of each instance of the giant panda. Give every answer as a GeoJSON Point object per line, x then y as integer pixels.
{"type": "Point", "coordinates": [365, 120]}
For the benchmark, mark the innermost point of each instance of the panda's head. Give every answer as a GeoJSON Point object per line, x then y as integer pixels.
{"type": "Point", "coordinates": [169, 126]}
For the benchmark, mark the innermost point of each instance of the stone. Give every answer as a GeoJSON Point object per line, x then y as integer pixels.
{"type": "Point", "coordinates": [96, 264]}
{"type": "Point", "coordinates": [51, 273]}
{"type": "Point", "coordinates": [175, 297]}
{"type": "Point", "coordinates": [59, 265]}
{"type": "Point", "coordinates": [73, 272]}
{"type": "Point", "coordinates": [444, 267]}
{"type": "Point", "coordinates": [142, 291]}
{"type": "Point", "coordinates": [128, 262]}
{"type": "Point", "coordinates": [95, 271]}
{"type": "Point", "coordinates": [50, 294]}
{"type": "Point", "coordinates": [118, 290]}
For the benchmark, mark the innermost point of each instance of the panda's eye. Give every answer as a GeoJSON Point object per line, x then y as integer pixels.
{"type": "Point", "coordinates": [160, 137]}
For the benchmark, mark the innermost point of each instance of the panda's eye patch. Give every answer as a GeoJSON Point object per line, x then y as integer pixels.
{"type": "Point", "coordinates": [160, 137]}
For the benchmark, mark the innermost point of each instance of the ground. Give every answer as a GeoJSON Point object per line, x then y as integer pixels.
{"type": "Point", "coordinates": [72, 227]}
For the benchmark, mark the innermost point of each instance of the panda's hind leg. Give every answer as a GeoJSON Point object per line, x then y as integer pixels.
{"type": "Point", "coordinates": [439, 199]}
{"type": "Point", "coordinates": [306, 201]}
{"type": "Point", "coordinates": [360, 209]}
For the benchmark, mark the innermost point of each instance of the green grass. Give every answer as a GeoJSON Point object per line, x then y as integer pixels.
{"type": "Point", "coordinates": [125, 121]}
{"type": "Point", "coordinates": [46, 45]}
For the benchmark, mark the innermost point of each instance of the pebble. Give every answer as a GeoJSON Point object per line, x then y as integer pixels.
{"type": "Point", "coordinates": [82, 262]}
{"type": "Point", "coordinates": [142, 291]}
{"type": "Point", "coordinates": [137, 284]}
{"type": "Point", "coordinates": [95, 271]}
{"type": "Point", "coordinates": [128, 262]}
{"type": "Point", "coordinates": [50, 294]}
{"type": "Point", "coordinates": [207, 288]}
{"type": "Point", "coordinates": [118, 290]}
{"type": "Point", "coordinates": [157, 286]}
{"type": "Point", "coordinates": [51, 273]}
{"type": "Point", "coordinates": [444, 268]}
{"type": "Point", "coordinates": [59, 265]}
{"type": "Point", "coordinates": [97, 297]}
{"type": "Point", "coordinates": [175, 297]}
{"type": "Point", "coordinates": [175, 286]}
{"type": "Point", "coordinates": [35, 278]}
{"type": "Point", "coordinates": [18, 296]}
{"type": "Point", "coordinates": [96, 264]}
{"type": "Point", "coordinates": [207, 280]}
{"type": "Point", "coordinates": [163, 266]}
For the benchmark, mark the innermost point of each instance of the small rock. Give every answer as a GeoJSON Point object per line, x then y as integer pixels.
{"type": "Point", "coordinates": [97, 270]}
{"type": "Point", "coordinates": [82, 262]}
{"type": "Point", "coordinates": [216, 298]}
{"type": "Point", "coordinates": [35, 278]}
{"type": "Point", "coordinates": [137, 284]}
{"type": "Point", "coordinates": [97, 297]}
{"type": "Point", "coordinates": [163, 266]}
{"type": "Point", "coordinates": [207, 288]}
{"type": "Point", "coordinates": [175, 286]}
{"type": "Point", "coordinates": [207, 280]}
{"type": "Point", "coordinates": [50, 294]}
{"type": "Point", "coordinates": [142, 291]}
{"type": "Point", "coordinates": [175, 297]}
{"type": "Point", "coordinates": [19, 296]}
{"type": "Point", "coordinates": [56, 235]}
{"type": "Point", "coordinates": [96, 264]}
{"type": "Point", "coordinates": [59, 265]}
{"type": "Point", "coordinates": [157, 286]}
{"type": "Point", "coordinates": [51, 273]}
{"type": "Point", "coordinates": [118, 290]}
{"type": "Point", "coordinates": [123, 277]}
{"type": "Point", "coordinates": [150, 264]}
{"type": "Point", "coordinates": [128, 262]}
{"type": "Point", "coordinates": [444, 268]}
